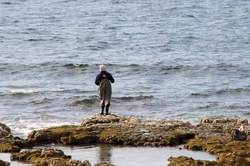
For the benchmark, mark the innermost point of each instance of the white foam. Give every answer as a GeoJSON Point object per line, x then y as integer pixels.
{"type": "Point", "coordinates": [22, 91]}
{"type": "Point", "coordinates": [59, 90]}
{"type": "Point", "coordinates": [25, 128]}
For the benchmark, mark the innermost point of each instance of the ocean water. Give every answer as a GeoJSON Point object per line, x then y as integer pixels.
{"type": "Point", "coordinates": [171, 59]}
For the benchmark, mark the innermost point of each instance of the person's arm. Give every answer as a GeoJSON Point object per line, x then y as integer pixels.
{"type": "Point", "coordinates": [112, 80]}
{"type": "Point", "coordinates": [97, 80]}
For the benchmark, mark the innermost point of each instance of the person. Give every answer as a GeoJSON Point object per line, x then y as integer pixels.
{"type": "Point", "coordinates": [103, 81]}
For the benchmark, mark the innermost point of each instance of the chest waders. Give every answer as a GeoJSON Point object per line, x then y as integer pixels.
{"type": "Point", "coordinates": [105, 92]}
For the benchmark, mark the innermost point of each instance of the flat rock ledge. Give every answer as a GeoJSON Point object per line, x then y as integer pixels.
{"type": "Point", "coordinates": [47, 157]}
{"type": "Point", "coordinates": [116, 130]}
{"type": "Point", "coordinates": [212, 135]}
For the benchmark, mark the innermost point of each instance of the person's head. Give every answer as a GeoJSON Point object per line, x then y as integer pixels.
{"type": "Point", "coordinates": [102, 68]}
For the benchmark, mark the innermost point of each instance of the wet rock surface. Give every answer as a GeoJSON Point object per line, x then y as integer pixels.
{"type": "Point", "coordinates": [212, 135]}
{"type": "Point", "coordinates": [116, 130]}
{"type": "Point", "coordinates": [8, 143]}
{"type": "Point", "coordinates": [4, 130]}
{"type": "Point", "coordinates": [228, 152]}
{"type": "Point", "coordinates": [188, 161]}
{"type": "Point", "coordinates": [219, 126]}
{"type": "Point", "coordinates": [12, 144]}
{"type": "Point", "coordinates": [48, 157]}
{"type": "Point", "coordinates": [3, 163]}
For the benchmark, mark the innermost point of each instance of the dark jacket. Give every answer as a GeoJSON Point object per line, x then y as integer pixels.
{"type": "Point", "coordinates": [103, 75]}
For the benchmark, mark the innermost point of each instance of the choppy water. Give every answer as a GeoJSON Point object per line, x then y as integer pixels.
{"type": "Point", "coordinates": [171, 59]}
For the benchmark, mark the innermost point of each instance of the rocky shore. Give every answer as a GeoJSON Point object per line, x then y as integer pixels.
{"type": "Point", "coordinates": [212, 135]}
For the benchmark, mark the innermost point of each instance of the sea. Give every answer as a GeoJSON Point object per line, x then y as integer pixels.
{"type": "Point", "coordinates": [171, 59]}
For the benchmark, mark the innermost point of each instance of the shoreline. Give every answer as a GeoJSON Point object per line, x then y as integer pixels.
{"type": "Point", "coordinates": [133, 132]}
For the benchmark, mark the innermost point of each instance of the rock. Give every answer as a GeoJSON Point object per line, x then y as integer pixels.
{"type": "Point", "coordinates": [223, 120]}
{"type": "Point", "coordinates": [212, 135]}
{"type": "Point", "coordinates": [103, 165]}
{"type": "Point", "coordinates": [12, 144]}
{"type": "Point", "coordinates": [3, 163]}
{"type": "Point", "coordinates": [51, 135]}
{"type": "Point", "coordinates": [112, 129]}
{"type": "Point", "coordinates": [219, 126]}
{"type": "Point", "coordinates": [228, 152]}
{"type": "Point", "coordinates": [8, 147]}
{"type": "Point", "coordinates": [4, 130]}
{"type": "Point", "coordinates": [8, 143]}
{"type": "Point", "coordinates": [184, 161]}
{"type": "Point", "coordinates": [99, 119]}
{"type": "Point", "coordinates": [47, 157]}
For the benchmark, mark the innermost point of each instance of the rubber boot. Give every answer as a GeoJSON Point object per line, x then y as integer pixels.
{"type": "Point", "coordinates": [107, 109]}
{"type": "Point", "coordinates": [102, 110]}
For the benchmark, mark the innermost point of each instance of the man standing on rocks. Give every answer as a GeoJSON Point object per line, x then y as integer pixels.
{"type": "Point", "coordinates": [104, 80]}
